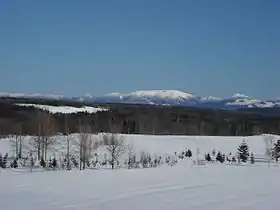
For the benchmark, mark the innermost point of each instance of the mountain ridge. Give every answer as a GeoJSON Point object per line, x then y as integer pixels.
{"type": "Point", "coordinates": [164, 97]}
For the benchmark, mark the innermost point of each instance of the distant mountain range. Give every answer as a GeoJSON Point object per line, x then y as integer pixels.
{"type": "Point", "coordinates": [171, 98]}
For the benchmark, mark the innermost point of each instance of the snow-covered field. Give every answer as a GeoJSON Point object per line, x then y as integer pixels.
{"type": "Point", "coordinates": [183, 186]}
{"type": "Point", "coordinates": [215, 187]}
{"type": "Point", "coordinates": [163, 145]}
{"type": "Point", "coordinates": [65, 109]}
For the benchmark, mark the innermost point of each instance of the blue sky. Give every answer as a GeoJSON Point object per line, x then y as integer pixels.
{"type": "Point", "coordinates": [203, 47]}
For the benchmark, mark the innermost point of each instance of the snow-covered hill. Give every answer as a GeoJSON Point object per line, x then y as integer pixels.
{"type": "Point", "coordinates": [167, 98]}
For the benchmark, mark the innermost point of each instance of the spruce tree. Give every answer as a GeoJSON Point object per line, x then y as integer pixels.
{"type": "Point", "coordinates": [208, 157]}
{"type": "Point", "coordinates": [243, 151]}
{"type": "Point", "coordinates": [276, 150]}
{"type": "Point", "coordinates": [220, 157]}
{"type": "Point", "coordinates": [5, 160]}
{"type": "Point", "coordinates": [189, 153]}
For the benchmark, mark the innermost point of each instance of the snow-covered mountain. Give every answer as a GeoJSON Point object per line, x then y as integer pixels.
{"type": "Point", "coordinates": [167, 98]}
{"type": "Point", "coordinates": [153, 97]}
{"type": "Point", "coordinates": [179, 98]}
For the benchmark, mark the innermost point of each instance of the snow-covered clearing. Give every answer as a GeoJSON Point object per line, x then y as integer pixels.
{"type": "Point", "coordinates": [184, 186]}
{"type": "Point", "coordinates": [65, 109]}
{"type": "Point", "coordinates": [164, 145]}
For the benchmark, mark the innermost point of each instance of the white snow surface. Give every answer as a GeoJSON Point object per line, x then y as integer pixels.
{"type": "Point", "coordinates": [65, 109]}
{"type": "Point", "coordinates": [183, 186]}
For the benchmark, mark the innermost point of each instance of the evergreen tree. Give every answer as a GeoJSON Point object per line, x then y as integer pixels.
{"type": "Point", "coordinates": [243, 151]}
{"type": "Point", "coordinates": [14, 163]}
{"type": "Point", "coordinates": [189, 153]}
{"type": "Point", "coordinates": [220, 157]}
{"type": "Point", "coordinates": [43, 163]}
{"type": "Point", "coordinates": [5, 160]}
{"type": "Point", "coordinates": [54, 163]}
{"type": "Point", "coordinates": [186, 153]}
{"type": "Point", "coordinates": [276, 150]}
{"type": "Point", "coordinates": [1, 161]}
{"type": "Point", "coordinates": [208, 157]}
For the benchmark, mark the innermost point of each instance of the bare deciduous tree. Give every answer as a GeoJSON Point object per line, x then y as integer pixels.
{"type": "Point", "coordinates": [115, 146]}
{"type": "Point", "coordinates": [131, 155]}
{"type": "Point", "coordinates": [67, 131]}
{"type": "Point", "coordinates": [85, 143]}
{"type": "Point", "coordinates": [16, 142]}
{"type": "Point", "coordinates": [268, 140]}
{"type": "Point", "coordinates": [45, 134]}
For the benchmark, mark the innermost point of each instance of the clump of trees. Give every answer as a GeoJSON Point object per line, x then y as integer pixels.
{"type": "Point", "coordinates": [45, 136]}
{"type": "Point", "coordinates": [185, 154]}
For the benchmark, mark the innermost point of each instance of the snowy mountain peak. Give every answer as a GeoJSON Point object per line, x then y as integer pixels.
{"type": "Point", "coordinates": [239, 95]}
{"type": "Point", "coordinates": [88, 95]}
{"type": "Point", "coordinates": [113, 94]}
{"type": "Point", "coordinates": [170, 94]}
{"type": "Point", "coordinates": [210, 98]}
